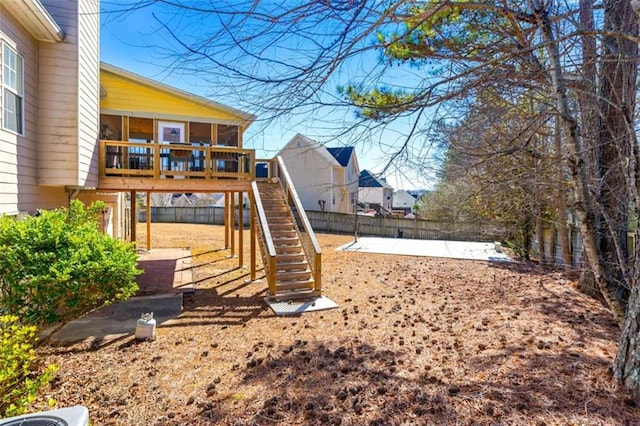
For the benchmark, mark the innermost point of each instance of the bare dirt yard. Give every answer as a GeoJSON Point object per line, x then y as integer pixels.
{"type": "Point", "coordinates": [415, 340]}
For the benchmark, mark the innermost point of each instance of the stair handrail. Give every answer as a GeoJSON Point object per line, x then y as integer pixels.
{"type": "Point", "coordinates": [267, 240]}
{"type": "Point", "coordinates": [317, 252]}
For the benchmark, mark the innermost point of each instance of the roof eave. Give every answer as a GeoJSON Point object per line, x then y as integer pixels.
{"type": "Point", "coordinates": [36, 19]}
{"type": "Point", "coordinates": [317, 146]}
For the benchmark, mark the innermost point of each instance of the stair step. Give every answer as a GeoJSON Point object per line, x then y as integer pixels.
{"type": "Point", "coordinates": [277, 214]}
{"type": "Point", "coordinates": [293, 249]}
{"type": "Point", "coordinates": [287, 241]}
{"type": "Point", "coordinates": [293, 276]}
{"type": "Point", "coordinates": [283, 232]}
{"type": "Point", "coordinates": [292, 266]}
{"type": "Point", "coordinates": [285, 258]}
{"type": "Point", "coordinates": [289, 287]}
{"type": "Point", "coordinates": [294, 285]}
{"type": "Point", "coordinates": [295, 295]}
{"type": "Point", "coordinates": [281, 217]}
{"type": "Point", "coordinates": [281, 226]}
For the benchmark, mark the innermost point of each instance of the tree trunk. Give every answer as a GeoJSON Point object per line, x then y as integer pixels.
{"type": "Point", "coordinates": [617, 102]}
{"type": "Point", "coordinates": [584, 203]}
{"type": "Point", "coordinates": [561, 201]}
{"type": "Point", "coordinates": [527, 236]}
{"type": "Point", "coordinates": [618, 87]}
{"type": "Point", "coordinates": [540, 231]}
{"type": "Point", "coordinates": [626, 367]}
{"type": "Point", "coordinates": [553, 244]}
{"type": "Point", "coordinates": [590, 120]}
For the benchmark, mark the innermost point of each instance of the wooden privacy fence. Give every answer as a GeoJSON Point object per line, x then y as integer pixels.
{"type": "Point", "coordinates": [205, 215]}
{"type": "Point", "coordinates": [575, 245]}
{"type": "Point", "coordinates": [404, 228]}
{"type": "Point", "coordinates": [346, 224]}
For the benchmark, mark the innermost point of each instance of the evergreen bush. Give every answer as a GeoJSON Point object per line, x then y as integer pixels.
{"type": "Point", "coordinates": [57, 265]}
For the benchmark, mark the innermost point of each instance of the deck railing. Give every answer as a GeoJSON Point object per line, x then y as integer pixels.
{"type": "Point", "coordinates": [267, 247]}
{"type": "Point", "coordinates": [175, 160]}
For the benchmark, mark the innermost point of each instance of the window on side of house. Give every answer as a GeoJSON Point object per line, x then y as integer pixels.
{"type": "Point", "coordinates": [12, 90]}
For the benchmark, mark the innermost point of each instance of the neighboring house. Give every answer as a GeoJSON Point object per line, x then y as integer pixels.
{"type": "Point", "coordinates": [375, 192]}
{"type": "Point", "coordinates": [49, 72]}
{"type": "Point", "coordinates": [245, 200]}
{"type": "Point", "coordinates": [326, 179]}
{"type": "Point", "coordinates": [205, 200]}
{"type": "Point", "coordinates": [403, 201]}
{"type": "Point", "coordinates": [180, 200]}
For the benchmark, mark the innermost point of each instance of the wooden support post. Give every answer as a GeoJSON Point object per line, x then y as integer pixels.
{"type": "Point", "coordinates": [232, 222]}
{"type": "Point", "coordinates": [148, 220]}
{"type": "Point", "coordinates": [226, 220]}
{"type": "Point", "coordinates": [240, 229]}
{"type": "Point", "coordinates": [133, 215]}
{"type": "Point", "coordinates": [317, 275]}
{"type": "Point", "coordinates": [252, 234]}
{"type": "Point", "coordinates": [271, 279]}
{"type": "Point", "coordinates": [102, 155]}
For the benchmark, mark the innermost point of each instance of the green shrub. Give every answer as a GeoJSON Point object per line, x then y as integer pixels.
{"type": "Point", "coordinates": [18, 383]}
{"type": "Point", "coordinates": [57, 266]}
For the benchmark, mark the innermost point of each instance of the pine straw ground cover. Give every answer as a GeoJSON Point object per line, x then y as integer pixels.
{"type": "Point", "coordinates": [415, 341]}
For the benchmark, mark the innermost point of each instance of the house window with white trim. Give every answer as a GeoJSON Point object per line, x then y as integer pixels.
{"type": "Point", "coordinates": [12, 90]}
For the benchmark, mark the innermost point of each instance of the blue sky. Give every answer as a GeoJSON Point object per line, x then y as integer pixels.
{"type": "Point", "coordinates": [135, 40]}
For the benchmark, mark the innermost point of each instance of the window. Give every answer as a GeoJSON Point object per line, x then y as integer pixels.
{"type": "Point", "coordinates": [12, 90]}
{"type": "Point", "coordinates": [227, 135]}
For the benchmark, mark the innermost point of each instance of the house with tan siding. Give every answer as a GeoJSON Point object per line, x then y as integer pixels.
{"type": "Point", "coordinates": [49, 72]}
{"type": "Point", "coordinates": [326, 179]}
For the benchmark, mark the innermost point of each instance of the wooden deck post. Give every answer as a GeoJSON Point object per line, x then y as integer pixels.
{"type": "Point", "coordinates": [232, 222]}
{"type": "Point", "coordinates": [226, 220]}
{"type": "Point", "coordinates": [317, 273]}
{"type": "Point", "coordinates": [133, 215]}
{"type": "Point", "coordinates": [148, 220]}
{"type": "Point", "coordinates": [252, 234]}
{"type": "Point", "coordinates": [240, 229]}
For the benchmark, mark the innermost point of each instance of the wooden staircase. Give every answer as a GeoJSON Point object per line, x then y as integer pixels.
{"type": "Point", "coordinates": [294, 278]}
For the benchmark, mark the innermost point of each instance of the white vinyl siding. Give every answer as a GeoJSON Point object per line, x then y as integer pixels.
{"type": "Point", "coordinates": [352, 182]}
{"type": "Point", "coordinates": [311, 176]}
{"type": "Point", "coordinates": [12, 90]}
{"type": "Point", "coordinates": [318, 178]}
{"type": "Point", "coordinates": [68, 75]}
{"type": "Point", "coordinates": [88, 92]}
{"type": "Point", "coordinates": [58, 82]}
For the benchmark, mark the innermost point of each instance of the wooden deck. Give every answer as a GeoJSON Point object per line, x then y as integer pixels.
{"type": "Point", "coordinates": [175, 167]}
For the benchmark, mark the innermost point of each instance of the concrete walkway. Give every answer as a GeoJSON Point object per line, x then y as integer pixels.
{"type": "Point", "coordinates": [167, 275]}
{"type": "Point", "coordinates": [431, 248]}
